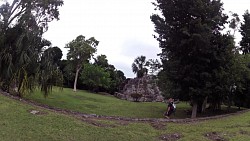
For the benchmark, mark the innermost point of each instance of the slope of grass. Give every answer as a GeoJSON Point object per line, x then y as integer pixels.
{"type": "Point", "coordinates": [17, 123]}
{"type": "Point", "coordinates": [85, 102]}
{"type": "Point", "coordinates": [90, 103]}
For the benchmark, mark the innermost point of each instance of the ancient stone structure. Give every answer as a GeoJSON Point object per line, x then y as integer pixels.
{"type": "Point", "coordinates": [146, 87]}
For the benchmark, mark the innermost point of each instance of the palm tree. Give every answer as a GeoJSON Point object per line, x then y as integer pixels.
{"type": "Point", "coordinates": [139, 66]}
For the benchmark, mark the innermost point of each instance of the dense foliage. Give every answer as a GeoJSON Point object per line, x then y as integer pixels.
{"type": "Point", "coordinates": [22, 24]}
{"type": "Point", "coordinates": [141, 66]}
{"type": "Point", "coordinates": [196, 56]}
{"type": "Point", "coordinates": [95, 77]}
{"type": "Point", "coordinates": [245, 32]}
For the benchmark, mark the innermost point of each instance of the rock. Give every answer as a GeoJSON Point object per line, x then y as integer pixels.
{"type": "Point", "coordinates": [34, 112]}
{"type": "Point", "coordinates": [145, 86]}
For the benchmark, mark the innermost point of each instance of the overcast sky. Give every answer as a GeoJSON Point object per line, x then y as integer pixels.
{"type": "Point", "coordinates": [123, 27]}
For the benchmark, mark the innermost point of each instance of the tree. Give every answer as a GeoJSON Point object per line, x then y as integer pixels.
{"type": "Point", "coordinates": [53, 53]}
{"type": "Point", "coordinates": [21, 43]}
{"type": "Point", "coordinates": [49, 69]}
{"type": "Point", "coordinates": [49, 72]}
{"type": "Point", "coordinates": [33, 14]}
{"type": "Point", "coordinates": [239, 89]}
{"type": "Point", "coordinates": [154, 66]}
{"type": "Point", "coordinates": [102, 61]}
{"type": "Point", "coordinates": [192, 49]}
{"type": "Point", "coordinates": [116, 76]}
{"type": "Point", "coordinates": [66, 67]}
{"type": "Point", "coordinates": [121, 78]}
{"type": "Point", "coordinates": [234, 22]}
{"type": "Point", "coordinates": [95, 77]}
{"type": "Point", "coordinates": [117, 79]}
{"type": "Point", "coordinates": [80, 51]}
{"type": "Point", "coordinates": [139, 66]}
{"type": "Point", "coordinates": [245, 32]}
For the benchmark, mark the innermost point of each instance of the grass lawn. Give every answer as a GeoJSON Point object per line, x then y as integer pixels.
{"type": "Point", "coordinates": [17, 123]}
{"type": "Point", "coordinates": [90, 103]}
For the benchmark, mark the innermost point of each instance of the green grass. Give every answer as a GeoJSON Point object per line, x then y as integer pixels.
{"type": "Point", "coordinates": [85, 102]}
{"type": "Point", "coordinates": [90, 103]}
{"type": "Point", "coordinates": [17, 123]}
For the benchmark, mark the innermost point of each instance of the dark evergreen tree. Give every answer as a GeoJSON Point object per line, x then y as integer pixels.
{"type": "Point", "coordinates": [192, 46]}
{"type": "Point", "coordinates": [245, 32]}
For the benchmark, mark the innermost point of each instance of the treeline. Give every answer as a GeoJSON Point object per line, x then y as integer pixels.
{"type": "Point", "coordinates": [79, 72]}
{"type": "Point", "coordinates": [99, 76]}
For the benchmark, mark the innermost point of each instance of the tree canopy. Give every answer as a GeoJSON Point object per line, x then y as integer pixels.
{"type": "Point", "coordinates": [22, 24]}
{"type": "Point", "coordinates": [139, 66]}
{"type": "Point", "coordinates": [245, 32]}
{"type": "Point", "coordinates": [95, 77]}
{"type": "Point", "coordinates": [193, 49]}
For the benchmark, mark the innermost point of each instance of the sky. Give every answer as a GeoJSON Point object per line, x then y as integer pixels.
{"type": "Point", "coordinates": [123, 28]}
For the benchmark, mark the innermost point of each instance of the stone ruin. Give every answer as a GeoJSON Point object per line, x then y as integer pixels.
{"type": "Point", "coordinates": [146, 87]}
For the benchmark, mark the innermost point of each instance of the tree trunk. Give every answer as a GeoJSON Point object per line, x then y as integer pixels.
{"type": "Point", "coordinates": [194, 109]}
{"type": "Point", "coordinates": [76, 77]}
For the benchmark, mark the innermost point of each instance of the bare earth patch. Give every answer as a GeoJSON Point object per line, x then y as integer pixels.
{"type": "Point", "coordinates": [170, 137]}
{"type": "Point", "coordinates": [123, 123]}
{"type": "Point", "coordinates": [98, 124]}
{"type": "Point", "coordinates": [243, 132]}
{"type": "Point", "coordinates": [214, 136]}
{"type": "Point", "coordinates": [158, 125]}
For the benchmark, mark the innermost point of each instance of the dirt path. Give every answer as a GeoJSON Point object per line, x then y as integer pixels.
{"type": "Point", "coordinates": [122, 120]}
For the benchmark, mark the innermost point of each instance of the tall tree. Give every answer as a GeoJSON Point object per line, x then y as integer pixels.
{"type": "Point", "coordinates": [245, 32]}
{"type": "Point", "coordinates": [190, 39]}
{"type": "Point", "coordinates": [139, 66]}
{"type": "Point", "coordinates": [22, 24]}
{"type": "Point", "coordinates": [80, 51]}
